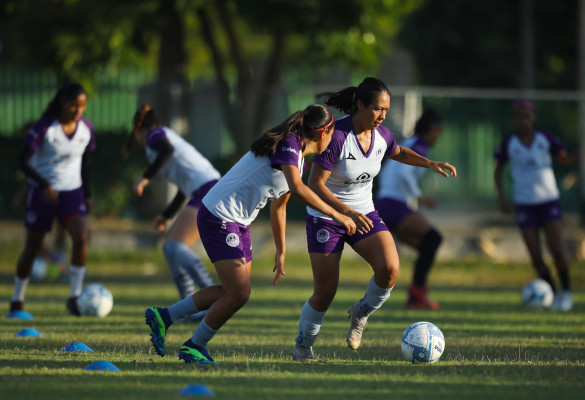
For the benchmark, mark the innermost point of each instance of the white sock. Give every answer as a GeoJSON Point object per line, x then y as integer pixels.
{"type": "Point", "coordinates": [19, 288]}
{"type": "Point", "coordinates": [182, 309]}
{"type": "Point", "coordinates": [77, 274]}
{"type": "Point", "coordinates": [374, 298]}
{"type": "Point", "coordinates": [203, 334]}
{"type": "Point", "coordinates": [310, 325]}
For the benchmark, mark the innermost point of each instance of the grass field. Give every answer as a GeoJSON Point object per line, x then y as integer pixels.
{"type": "Point", "coordinates": [495, 349]}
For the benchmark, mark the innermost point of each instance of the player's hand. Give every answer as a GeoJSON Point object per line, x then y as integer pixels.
{"type": "Point", "coordinates": [362, 222]}
{"type": "Point", "coordinates": [505, 206]}
{"type": "Point", "coordinates": [50, 195]}
{"type": "Point", "coordinates": [160, 222]}
{"type": "Point", "coordinates": [278, 266]}
{"type": "Point", "coordinates": [88, 205]}
{"type": "Point", "coordinates": [440, 167]}
{"type": "Point", "coordinates": [139, 185]}
{"type": "Point", "coordinates": [348, 223]}
{"type": "Point", "coordinates": [428, 202]}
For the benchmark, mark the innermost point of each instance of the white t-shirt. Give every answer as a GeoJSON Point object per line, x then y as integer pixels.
{"type": "Point", "coordinates": [187, 168]}
{"type": "Point", "coordinates": [57, 157]}
{"type": "Point", "coordinates": [252, 182]}
{"type": "Point", "coordinates": [352, 170]}
{"type": "Point", "coordinates": [531, 167]}
{"type": "Point", "coordinates": [399, 181]}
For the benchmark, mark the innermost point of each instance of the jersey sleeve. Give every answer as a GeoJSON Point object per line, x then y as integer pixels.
{"type": "Point", "coordinates": [501, 153]}
{"type": "Point", "coordinates": [287, 152]}
{"type": "Point", "coordinates": [92, 143]}
{"type": "Point", "coordinates": [329, 157]}
{"type": "Point", "coordinates": [154, 136]}
{"type": "Point", "coordinates": [34, 138]}
{"type": "Point", "coordinates": [556, 145]}
{"type": "Point", "coordinates": [390, 140]}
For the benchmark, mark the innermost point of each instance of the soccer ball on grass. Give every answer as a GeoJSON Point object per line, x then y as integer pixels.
{"type": "Point", "coordinates": [95, 300]}
{"type": "Point", "coordinates": [422, 342]}
{"type": "Point", "coordinates": [537, 294]}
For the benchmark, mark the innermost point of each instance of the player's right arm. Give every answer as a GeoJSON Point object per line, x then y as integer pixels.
{"type": "Point", "coordinates": [499, 181]}
{"type": "Point", "coordinates": [317, 179]}
{"type": "Point", "coordinates": [164, 150]}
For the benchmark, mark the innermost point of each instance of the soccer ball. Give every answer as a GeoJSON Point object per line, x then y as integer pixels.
{"type": "Point", "coordinates": [537, 294]}
{"type": "Point", "coordinates": [422, 342]}
{"type": "Point", "coordinates": [94, 300]}
{"type": "Point", "coordinates": [40, 270]}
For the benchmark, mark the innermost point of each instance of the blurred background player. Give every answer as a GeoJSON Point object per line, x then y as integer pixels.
{"type": "Point", "coordinates": [398, 190]}
{"type": "Point", "coordinates": [56, 161]}
{"type": "Point", "coordinates": [536, 196]}
{"type": "Point", "coordinates": [342, 176]}
{"type": "Point", "coordinates": [178, 161]}
{"type": "Point", "coordinates": [269, 172]}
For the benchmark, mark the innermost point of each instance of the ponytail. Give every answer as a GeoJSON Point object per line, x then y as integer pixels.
{"type": "Point", "coordinates": [346, 99]}
{"type": "Point", "coordinates": [305, 124]}
{"type": "Point", "coordinates": [144, 117]}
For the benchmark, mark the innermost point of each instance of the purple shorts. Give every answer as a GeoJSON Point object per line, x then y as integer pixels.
{"type": "Point", "coordinates": [392, 211]}
{"type": "Point", "coordinates": [223, 240]}
{"type": "Point", "coordinates": [199, 194]}
{"type": "Point", "coordinates": [326, 236]}
{"type": "Point", "coordinates": [40, 214]}
{"type": "Point", "coordinates": [536, 215]}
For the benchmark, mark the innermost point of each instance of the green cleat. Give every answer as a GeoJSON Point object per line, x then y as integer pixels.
{"type": "Point", "coordinates": [158, 330]}
{"type": "Point", "coordinates": [192, 354]}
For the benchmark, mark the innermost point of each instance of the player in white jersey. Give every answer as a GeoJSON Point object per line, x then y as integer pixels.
{"type": "Point", "coordinates": [535, 194]}
{"type": "Point", "coordinates": [397, 192]}
{"type": "Point", "coordinates": [178, 161]}
{"type": "Point", "coordinates": [56, 161]}
{"type": "Point", "coordinates": [269, 172]}
{"type": "Point", "coordinates": [342, 176]}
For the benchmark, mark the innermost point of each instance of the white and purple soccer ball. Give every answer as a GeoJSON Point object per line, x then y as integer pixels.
{"type": "Point", "coordinates": [422, 342]}
{"type": "Point", "coordinates": [537, 294]}
{"type": "Point", "coordinates": [95, 300]}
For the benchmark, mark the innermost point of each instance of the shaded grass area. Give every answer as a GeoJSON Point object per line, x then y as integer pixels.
{"type": "Point", "coordinates": [495, 349]}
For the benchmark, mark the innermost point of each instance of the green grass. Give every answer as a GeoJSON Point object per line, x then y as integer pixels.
{"type": "Point", "coordinates": [495, 349]}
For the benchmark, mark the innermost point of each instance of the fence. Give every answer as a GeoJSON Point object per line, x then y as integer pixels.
{"type": "Point", "coordinates": [475, 121]}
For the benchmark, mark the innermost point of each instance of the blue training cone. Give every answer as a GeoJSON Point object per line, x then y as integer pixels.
{"type": "Point", "coordinates": [20, 314]}
{"type": "Point", "coordinates": [77, 346]}
{"type": "Point", "coordinates": [28, 332]}
{"type": "Point", "coordinates": [102, 366]}
{"type": "Point", "coordinates": [196, 390]}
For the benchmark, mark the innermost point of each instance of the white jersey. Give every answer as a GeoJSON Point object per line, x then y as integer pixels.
{"type": "Point", "coordinates": [187, 168]}
{"type": "Point", "coordinates": [57, 157]}
{"type": "Point", "coordinates": [399, 181]}
{"type": "Point", "coordinates": [252, 182]}
{"type": "Point", "coordinates": [531, 167]}
{"type": "Point", "coordinates": [353, 170]}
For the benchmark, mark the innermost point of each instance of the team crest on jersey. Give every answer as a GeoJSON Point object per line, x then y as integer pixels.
{"type": "Point", "coordinates": [322, 235]}
{"type": "Point", "coordinates": [232, 240]}
{"type": "Point", "coordinates": [378, 152]}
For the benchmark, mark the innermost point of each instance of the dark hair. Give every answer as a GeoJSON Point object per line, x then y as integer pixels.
{"type": "Point", "coordinates": [145, 117]}
{"type": "Point", "coordinates": [429, 119]}
{"type": "Point", "coordinates": [67, 92]}
{"type": "Point", "coordinates": [306, 124]}
{"type": "Point", "coordinates": [346, 99]}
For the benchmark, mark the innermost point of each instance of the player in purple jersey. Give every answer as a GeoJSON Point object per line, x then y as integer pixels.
{"type": "Point", "coordinates": [269, 172]}
{"type": "Point", "coordinates": [192, 173]}
{"type": "Point", "coordinates": [536, 196]}
{"type": "Point", "coordinates": [342, 176]}
{"type": "Point", "coordinates": [56, 161]}
{"type": "Point", "coordinates": [398, 186]}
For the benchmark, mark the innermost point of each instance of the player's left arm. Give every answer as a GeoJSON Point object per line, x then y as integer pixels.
{"type": "Point", "coordinates": [407, 156]}
{"type": "Point", "coordinates": [567, 159]}
{"type": "Point", "coordinates": [85, 181]}
{"type": "Point", "coordinates": [278, 224]}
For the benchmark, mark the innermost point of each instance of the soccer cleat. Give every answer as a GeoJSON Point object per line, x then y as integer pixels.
{"type": "Point", "coordinates": [563, 301]}
{"type": "Point", "coordinates": [158, 329]}
{"type": "Point", "coordinates": [72, 306]}
{"type": "Point", "coordinates": [303, 354]}
{"type": "Point", "coordinates": [192, 354]}
{"type": "Point", "coordinates": [418, 297]}
{"type": "Point", "coordinates": [358, 324]}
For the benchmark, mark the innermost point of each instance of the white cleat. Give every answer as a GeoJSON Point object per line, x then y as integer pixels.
{"type": "Point", "coordinates": [563, 301]}
{"type": "Point", "coordinates": [358, 324]}
{"type": "Point", "coordinates": [303, 354]}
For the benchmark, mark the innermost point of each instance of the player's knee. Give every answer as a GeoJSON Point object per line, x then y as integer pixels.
{"type": "Point", "coordinates": [239, 296]}
{"type": "Point", "coordinates": [431, 241]}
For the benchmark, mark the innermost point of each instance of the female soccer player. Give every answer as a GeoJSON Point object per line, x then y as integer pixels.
{"type": "Point", "coordinates": [177, 160]}
{"type": "Point", "coordinates": [398, 189]}
{"type": "Point", "coordinates": [56, 161]}
{"type": "Point", "coordinates": [342, 176]}
{"type": "Point", "coordinates": [270, 171]}
{"type": "Point", "coordinates": [535, 193]}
